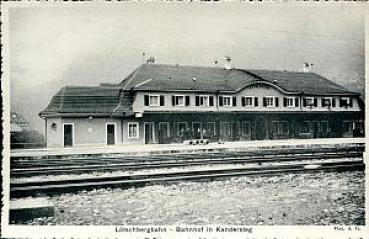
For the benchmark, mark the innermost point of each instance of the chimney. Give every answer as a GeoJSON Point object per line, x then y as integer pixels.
{"type": "Point", "coordinates": [308, 67]}
{"type": "Point", "coordinates": [227, 63]}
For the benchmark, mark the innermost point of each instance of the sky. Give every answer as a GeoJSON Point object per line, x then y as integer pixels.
{"type": "Point", "coordinates": [59, 45]}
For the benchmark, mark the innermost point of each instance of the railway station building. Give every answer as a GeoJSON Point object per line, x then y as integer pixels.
{"type": "Point", "coordinates": [160, 104]}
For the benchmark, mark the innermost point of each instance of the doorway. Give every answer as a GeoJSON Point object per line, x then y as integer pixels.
{"type": "Point", "coordinates": [164, 133]}
{"type": "Point", "coordinates": [149, 132]}
{"type": "Point", "coordinates": [68, 135]}
{"type": "Point", "coordinates": [110, 133]}
{"type": "Point", "coordinates": [261, 128]}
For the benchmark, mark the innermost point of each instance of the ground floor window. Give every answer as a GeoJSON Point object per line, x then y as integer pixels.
{"type": "Point", "coordinates": [280, 127]}
{"type": "Point", "coordinates": [132, 130]}
{"type": "Point", "coordinates": [305, 127]}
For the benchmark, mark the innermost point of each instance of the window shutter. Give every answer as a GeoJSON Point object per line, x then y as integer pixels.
{"type": "Point", "coordinates": [304, 102]}
{"type": "Point", "coordinates": [234, 101]}
{"type": "Point", "coordinates": [162, 100]}
{"type": "Point", "coordinates": [351, 102]}
{"type": "Point", "coordinates": [333, 102]}
{"type": "Point", "coordinates": [256, 103]}
{"type": "Point", "coordinates": [197, 102]}
{"type": "Point", "coordinates": [264, 102]}
{"type": "Point", "coordinates": [284, 101]}
{"type": "Point", "coordinates": [187, 100]}
{"type": "Point", "coordinates": [296, 102]}
{"type": "Point", "coordinates": [243, 101]}
{"type": "Point", "coordinates": [323, 102]}
{"type": "Point", "coordinates": [315, 102]}
{"type": "Point", "coordinates": [220, 100]}
{"type": "Point", "coordinates": [146, 100]}
{"type": "Point", "coordinates": [173, 100]}
{"type": "Point", "coordinates": [211, 100]}
{"type": "Point", "coordinates": [276, 101]}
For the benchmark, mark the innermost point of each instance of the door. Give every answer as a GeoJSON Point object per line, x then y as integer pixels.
{"type": "Point", "coordinates": [163, 133]}
{"type": "Point", "coordinates": [149, 133]}
{"type": "Point", "coordinates": [225, 131]}
{"type": "Point", "coordinates": [68, 135]}
{"type": "Point", "coordinates": [197, 130]}
{"type": "Point", "coordinates": [110, 134]}
{"type": "Point", "coordinates": [261, 128]}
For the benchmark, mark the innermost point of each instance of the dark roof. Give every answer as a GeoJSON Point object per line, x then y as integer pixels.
{"type": "Point", "coordinates": [117, 100]}
{"type": "Point", "coordinates": [89, 100]}
{"type": "Point", "coordinates": [156, 77]}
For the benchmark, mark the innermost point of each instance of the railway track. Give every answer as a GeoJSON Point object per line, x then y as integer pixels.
{"type": "Point", "coordinates": [32, 167]}
{"type": "Point", "coordinates": [23, 189]}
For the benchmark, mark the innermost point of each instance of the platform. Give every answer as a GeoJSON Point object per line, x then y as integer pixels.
{"type": "Point", "coordinates": [182, 148]}
{"type": "Point", "coordinates": [30, 208]}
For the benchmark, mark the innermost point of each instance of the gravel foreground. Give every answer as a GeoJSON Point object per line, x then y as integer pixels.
{"type": "Point", "coordinates": [323, 198]}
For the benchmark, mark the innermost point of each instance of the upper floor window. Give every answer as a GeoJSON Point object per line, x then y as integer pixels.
{"type": "Point", "coordinates": [227, 101]}
{"type": "Point", "coordinates": [154, 100]}
{"type": "Point", "coordinates": [180, 100]}
{"type": "Point", "coordinates": [270, 101]}
{"type": "Point", "coordinates": [327, 102]}
{"type": "Point", "coordinates": [249, 101]}
{"type": "Point", "coordinates": [310, 102]}
{"type": "Point", "coordinates": [346, 102]}
{"type": "Point", "coordinates": [290, 102]}
{"type": "Point", "coordinates": [204, 100]}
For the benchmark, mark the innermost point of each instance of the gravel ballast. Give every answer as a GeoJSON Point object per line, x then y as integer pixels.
{"type": "Point", "coordinates": [322, 198]}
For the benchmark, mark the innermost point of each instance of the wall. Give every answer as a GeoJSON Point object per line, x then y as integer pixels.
{"type": "Point", "coordinates": [82, 135]}
{"type": "Point", "coordinates": [261, 91]}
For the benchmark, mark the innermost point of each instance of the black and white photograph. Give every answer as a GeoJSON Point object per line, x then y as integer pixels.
{"type": "Point", "coordinates": [181, 119]}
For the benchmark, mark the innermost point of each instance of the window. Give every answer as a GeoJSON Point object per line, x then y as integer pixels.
{"type": "Point", "coordinates": [154, 100]}
{"type": "Point", "coordinates": [179, 100]}
{"type": "Point", "coordinates": [270, 101]}
{"type": "Point", "coordinates": [326, 102]}
{"type": "Point", "coordinates": [280, 127]}
{"type": "Point", "coordinates": [227, 101]}
{"type": "Point", "coordinates": [346, 102]}
{"type": "Point", "coordinates": [181, 128]}
{"type": "Point", "coordinates": [133, 130]}
{"type": "Point", "coordinates": [324, 126]}
{"type": "Point", "coordinates": [204, 100]}
{"type": "Point", "coordinates": [247, 101]}
{"type": "Point", "coordinates": [290, 102]}
{"type": "Point", "coordinates": [309, 101]}
{"type": "Point", "coordinates": [305, 127]}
